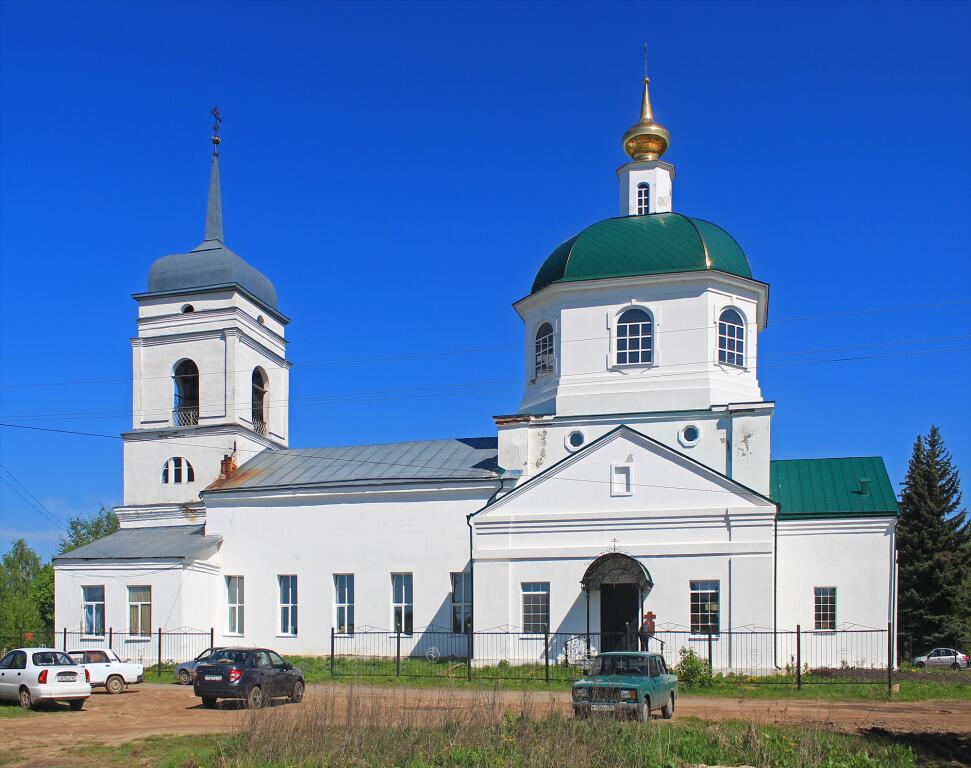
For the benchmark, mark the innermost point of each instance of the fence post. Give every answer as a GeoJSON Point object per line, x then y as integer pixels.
{"type": "Point", "coordinates": [890, 640]}
{"type": "Point", "coordinates": [158, 668]}
{"type": "Point", "coordinates": [470, 639]}
{"type": "Point", "coordinates": [397, 654]}
{"type": "Point", "coordinates": [798, 656]}
{"type": "Point", "coordinates": [111, 637]}
{"type": "Point", "coordinates": [20, 637]}
{"type": "Point", "coordinates": [546, 652]}
{"type": "Point", "coordinates": [212, 636]}
{"type": "Point", "coordinates": [332, 641]}
{"type": "Point", "coordinates": [711, 667]}
{"type": "Point", "coordinates": [65, 640]}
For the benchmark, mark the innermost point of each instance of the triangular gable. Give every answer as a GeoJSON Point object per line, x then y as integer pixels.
{"type": "Point", "coordinates": [661, 478]}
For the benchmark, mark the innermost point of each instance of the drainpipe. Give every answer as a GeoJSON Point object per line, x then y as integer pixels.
{"type": "Point", "coordinates": [775, 589]}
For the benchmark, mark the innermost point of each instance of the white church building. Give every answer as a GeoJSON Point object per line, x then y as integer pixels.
{"type": "Point", "coordinates": [636, 475]}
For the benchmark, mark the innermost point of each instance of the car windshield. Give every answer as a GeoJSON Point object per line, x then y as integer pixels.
{"type": "Point", "coordinates": [620, 665]}
{"type": "Point", "coordinates": [228, 657]}
{"type": "Point", "coordinates": [52, 659]}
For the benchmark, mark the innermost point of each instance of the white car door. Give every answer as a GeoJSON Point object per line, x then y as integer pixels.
{"type": "Point", "coordinates": [99, 665]}
{"type": "Point", "coordinates": [934, 658]}
{"type": "Point", "coordinates": [5, 663]}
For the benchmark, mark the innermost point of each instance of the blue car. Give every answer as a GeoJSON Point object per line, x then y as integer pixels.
{"type": "Point", "coordinates": [186, 671]}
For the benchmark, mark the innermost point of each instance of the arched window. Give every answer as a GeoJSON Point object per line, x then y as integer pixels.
{"type": "Point", "coordinates": [545, 362]}
{"type": "Point", "coordinates": [635, 338]}
{"type": "Point", "coordinates": [731, 338]}
{"type": "Point", "coordinates": [643, 198]}
{"type": "Point", "coordinates": [258, 412]}
{"type": "Point", "coordinates": [186, 407]}
{"type": "Point", "coordinates": [177, 470]}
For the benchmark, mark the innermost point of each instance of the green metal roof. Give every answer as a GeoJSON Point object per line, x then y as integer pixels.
{"type": "Point", "coordinates": [825, 488]}
{"type": "Point", "coordinates": [654, 244]}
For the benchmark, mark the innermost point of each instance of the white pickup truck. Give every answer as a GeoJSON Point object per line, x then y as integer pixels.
{"type": "Point", "coordinates": [107, 669]}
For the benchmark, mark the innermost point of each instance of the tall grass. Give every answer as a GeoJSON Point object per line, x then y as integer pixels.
{"type": "Point", "coordinates": [383, 727]}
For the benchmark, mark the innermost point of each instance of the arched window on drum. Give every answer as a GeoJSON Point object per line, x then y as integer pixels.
{"type": "Point", "coordinates": [731, 338]}
{"type": "Point", "coordinates": [635, 338]}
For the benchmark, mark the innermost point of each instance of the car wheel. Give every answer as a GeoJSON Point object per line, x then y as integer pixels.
{"type": "Point", "coordinates": [25, 701]}
{"type": "Point", "coordinates": [76, 705]}
{"type": "Point", "coordinates": [580, 713]}
{"type": "Point", "coordinates": [667, 711]}
{"type": "Point", "coordinates": [920, 665]}
{"type": "Point", "coordinates": [114, 684]}
{"type": "Point", "coordinates": [254, 699]}
{"type": "Point", "coordinates": [955, 665]}
{"type": "Point", "coordinates": [297, 696]}
{"type": "Point", "coordinates": [209, 702]}
{"type": "Point", "coordinates": [644, 713]}
{"type": "Point", "coordinates": [184, 677]}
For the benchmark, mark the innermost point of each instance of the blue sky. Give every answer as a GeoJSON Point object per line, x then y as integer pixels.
{"type": "Point", "coordinates": [401, 170]}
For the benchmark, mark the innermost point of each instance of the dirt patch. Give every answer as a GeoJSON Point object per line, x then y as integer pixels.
{"type": "Point", "coordinates": [164, 710]}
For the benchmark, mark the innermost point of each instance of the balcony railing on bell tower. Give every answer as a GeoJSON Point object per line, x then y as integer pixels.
{"type": "Point", "coordinates": [186, 416]}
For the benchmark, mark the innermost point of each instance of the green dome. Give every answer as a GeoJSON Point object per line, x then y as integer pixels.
{"type": "Point", "coordinates": [655, 244]}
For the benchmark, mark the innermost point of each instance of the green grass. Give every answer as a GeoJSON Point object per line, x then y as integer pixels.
{"type": "Point", "coordinates": [517, 742]}
{"type": "Point", "coordinates": [420, 673]}
{"type": "Point", "coordinates": [13, 709]}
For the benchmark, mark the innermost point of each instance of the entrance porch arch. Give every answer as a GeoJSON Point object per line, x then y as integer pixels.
{"type": "Point", "coordinates": [623, 582]}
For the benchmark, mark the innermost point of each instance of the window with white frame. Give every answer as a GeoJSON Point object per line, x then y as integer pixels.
{"type": "Point", "coordinates": [635, 338]}
{"type": "Point", "coordinates": [402, 602]}
{"type": "Point", "coordinates": [288, 605]}
{"type": "Point", "coordinates": [643, 198]}
{"type": "Point", "coordinates": [235, 620]}
{"type": "Point", "coordinates": [545, 361]}
{"type": "Point", "coordinates": [705, 607]}
{"type": "Point", "coordinates": [177, 470]}
{"type": "Point", "coordinates": [93, 609]}
{"type": "Point", "coordinates": [140, 611]}
{"type": "Point", "coordinates": [344, 603]}
{"type": "Point", "coordinates": [825, 607]}
{"type": "Point", "coordinates": [536, 607]}
{"type": "Point", "coordinates": [621, 483]}
{"type": "Point", "coordinates": [731, 338]}
{"type": "Point", "coordinates": [462, 602]}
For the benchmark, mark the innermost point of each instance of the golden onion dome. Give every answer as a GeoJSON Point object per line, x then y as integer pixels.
{"type": "Point", "coordinates": [646, 139]}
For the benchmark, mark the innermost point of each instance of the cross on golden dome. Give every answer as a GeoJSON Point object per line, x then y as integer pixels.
{"type": "Point", "coordinates": [646, 139]}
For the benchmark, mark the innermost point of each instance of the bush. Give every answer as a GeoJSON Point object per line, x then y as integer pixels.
{"type": "Point", "coordinates": [692, 670]}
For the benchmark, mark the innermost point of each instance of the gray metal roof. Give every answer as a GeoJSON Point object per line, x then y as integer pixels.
{"type": "Point", "coordinates": [470, 458]}
{"type": "Point", "coordinates": [211, 262]}
{"type": "Point", "coordinates": [176, 541]}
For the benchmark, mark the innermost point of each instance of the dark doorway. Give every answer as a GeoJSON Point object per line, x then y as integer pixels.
{"type": "Point", "coordinates": [619, 617]}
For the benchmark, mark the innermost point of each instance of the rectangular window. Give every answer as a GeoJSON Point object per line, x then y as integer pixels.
{"type": "Point", "coordinates": [93, 609]}
{"type": "Point", "coordinates": [462, 602]}
{"type": "Point", "coordinates": [620, 480]}
{"type": "Point", "coordinates": [140, 611]}
{"type": "Point", "coordinates": [402, 601]}
{"type": "Point", "coordinates": [288, 605]}
{"type": "Point", "coordinates": [234, 601]}
{"type": "Point", "coordinates": [825, 607]}
{"type": "Point", "coordinates": [536, 607]}
{"type": "Point", "coordinates": [705, 607]}
{"type": "Point", "coordinates": [344, 603]}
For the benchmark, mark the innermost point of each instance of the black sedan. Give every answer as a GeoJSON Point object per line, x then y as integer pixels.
{"type": "Point", "coordinates": [254, 675]}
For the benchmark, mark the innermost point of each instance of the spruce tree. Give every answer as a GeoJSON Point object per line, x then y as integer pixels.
{"type": "Point", "coordinates": [933, 539]}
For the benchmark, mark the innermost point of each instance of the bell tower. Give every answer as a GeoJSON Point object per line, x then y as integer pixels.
{"type": "Point", "coordinates": [210, 378]}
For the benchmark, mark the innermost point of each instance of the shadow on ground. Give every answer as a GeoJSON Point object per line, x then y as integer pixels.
{"type": "Point", "coordinates": [939, 748]}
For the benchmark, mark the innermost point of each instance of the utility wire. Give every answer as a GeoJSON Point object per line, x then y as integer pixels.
{"type": "Point", "coordinates": [474, 350]}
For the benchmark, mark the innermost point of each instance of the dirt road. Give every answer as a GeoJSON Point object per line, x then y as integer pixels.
{"type": "Point", "coordinates": [151, 710]}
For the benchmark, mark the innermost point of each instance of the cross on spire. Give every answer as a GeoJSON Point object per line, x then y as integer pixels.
{"type": "Point", "coordinates": [214, 209]}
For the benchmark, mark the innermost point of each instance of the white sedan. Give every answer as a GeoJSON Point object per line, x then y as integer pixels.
{"type": "Point", "coordinates": [107, 669]}
{"type": "Point", "coordinates": [35, 675]}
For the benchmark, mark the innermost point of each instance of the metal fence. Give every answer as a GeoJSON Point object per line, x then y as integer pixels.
{"type": "Point", "coordinates": [797, 657]}
{"type": "Point", "coordinates": [158, 649]}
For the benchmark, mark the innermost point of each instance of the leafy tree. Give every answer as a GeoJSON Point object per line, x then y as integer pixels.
{"type": "Point", "coordinates": [933, 542]}
{"type": "Point", "coordinates": [83, 529]}
{"type": "Point", "coordinates": [42, 594]}
{"type": "Point", "coordinates": [18, 570]}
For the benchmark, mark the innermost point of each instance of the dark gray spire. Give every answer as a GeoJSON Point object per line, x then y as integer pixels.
{"type": "Point", "coordinates": [214, 211]}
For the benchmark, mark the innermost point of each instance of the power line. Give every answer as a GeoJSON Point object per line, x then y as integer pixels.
{"type": "Point", "coordinates": [474, 350]}
{"type": "Point", "coordinates": [31, 500]}
{"type": "Point", "coordinates": [365, 396]}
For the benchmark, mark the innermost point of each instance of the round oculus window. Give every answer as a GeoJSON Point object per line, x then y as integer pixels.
{"type": "Point", "coordinates": [575, 440]}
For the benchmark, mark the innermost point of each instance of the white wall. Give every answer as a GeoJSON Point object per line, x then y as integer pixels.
{"type": "Point", "coordinates": [370, 533]}
{"type": "Point", "coordinates": [685, 374]}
